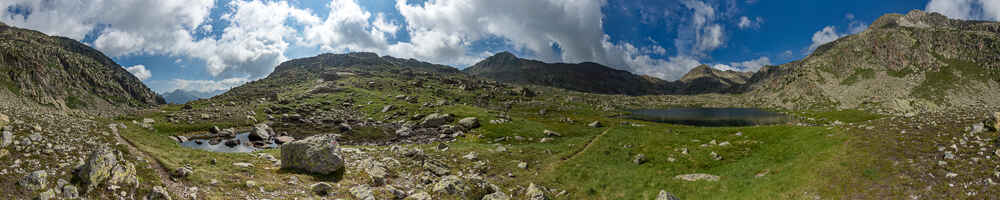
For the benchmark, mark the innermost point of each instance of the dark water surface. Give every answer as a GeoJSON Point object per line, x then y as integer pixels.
{"type": "Point", "coordinates": [711, 116]}
{"type": "Point", "coordinates": [245, 146]}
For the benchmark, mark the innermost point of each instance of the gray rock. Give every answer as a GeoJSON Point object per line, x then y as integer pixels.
{"type": "Point", "coordinates": [549, 133]}
{"type": "Point", "coordinates": [123, 173]}
{"type": "Point", "coordinates": [48, 194]}
{"type": "Point", "coordinates": [469, 122]}
{"type": "Point", "coordinates": [436, 168]}
{"type": "Point", "coordinates": [243, 165]}
{"type": "Point", "coordinates": [419, 196]}
{"type": "Point", "coordinates": [664, 195]}
{"type": "Point", "coordinates": [595, 124]}
{"type": "Point", "coordinates": [181, 172]}
{"type": "Point", "coordinates": [639, 159]}
{"type": "Point", "coordinates": [377, 175]}
{"type": "Point", "coordinates": [214, 130]}
{"type": "Point", "coordinates": [697, 177]}
{"type": "Point", "coordinates": [70, 191]}
{"type": "Point", "coordinates": [993, 122]}
{"type": "Point", "coordinates": [36, 180]}
{"type": "Point", "coordinates": [436, 120]}
{"type": "Point", "coordinates": [362, 192]}
{"type": "Point", "coordinates": [260, 132]}
{"type": "Point", "coordinates": [318, 154]}
{"type": "Point", "coordinates": [322, 188]}
{"type": "Point", "coordinates": [535, 192]}
{"type": "Point", "coordinates": [455, 186]}
{"type": "Point", "coordinates": [388, 108]}
{"type": "Point", "coordinates": [158, 193]}
{"type": "Point", "coordinates": [98, 166]}
{"type": "Point", "coordinates": [8, 138]}
{"type": "Point", "coordinates": [498, 195]}
{"type": "Point", "coordinates": [283, 139]}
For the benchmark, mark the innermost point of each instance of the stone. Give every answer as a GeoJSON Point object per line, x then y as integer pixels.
{"type": "Point", "coordinates": [436, 168]}
{"type": "Point", "coordinates": [436, 120]}
{"type": "Point", "coordinates": [283, 139]}
{"type": "Point", "coordinates": [639, 159]}
{"type": "Point", "coordinates": [250, 184]}
{"type": "Point", "coordinates": [260, 132]}
{"type": "Point", "coordinates": [377, 175]}
{"type": "Point", "coordinates": [419, 196]}
{"type": "Point", "coordinates": [362, 192]}
{"type": "Point", "coordinates": [595, 124]}
{"type": "Point", "coordinates": [158, 193]}
{"type": "Point", "coordinates": [36, 180]}
{"type": "Point", "coordinates": [545, 140]}
{"type": "Point", "coordinates": [123, 173]}
{"type": "Point", "coordinates": [697, 177]}
{"type": "Point", "coordinates": [535, 192]}
{"type": "Point", "coordinates": [322, 188]}
{"type": "Point", "coordinates": [498, 195]}
{"type": "Point", "coordinates": [404, 131]}
{"type": "Point", "coordinates": [455, 186]}
{"type": "Point", "coordinates": [469, 122]}
{"type": "Point", "coordinates": [98, 166]}
{"type": "Point", "coordinates": [549, 133]}
{"type": "Point", "coordinates": [471, 156]}
{"type": "Point", "coordinates": [70, 191]}
{"type": "Point", "coordinates": [318, 154]}
{"type": "Point", "coordinates": [993, 122]}
{"type": "Point", "coordinates": [214, 130]}
{"type": "Point", "coordinates": [48, 194]}
{"type": "Point", "coordinates": [232, 143]}
{"type": "Point", "coordinates": [388, 108]}
{"type": "Point", "coordinates": [664, 195]}
{"type": "Point", "coordinates": [8, 138]}
{"type": "Point", "coordinates": [243, 165]}
{"type": "Point", "coordinates": [716, 156]}
{"type": "Point", "coordinates": [181, 172]}
{"type": "Point", "coordinates": [522, 165]}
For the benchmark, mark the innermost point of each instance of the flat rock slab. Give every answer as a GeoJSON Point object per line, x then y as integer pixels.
{"type": "Point", "coordinates": [698, 177]}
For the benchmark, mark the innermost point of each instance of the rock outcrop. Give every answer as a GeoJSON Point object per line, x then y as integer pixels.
{"type": "Point", "coordinates": [317, 154]}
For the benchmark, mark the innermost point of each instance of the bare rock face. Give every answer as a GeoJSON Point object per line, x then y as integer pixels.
{"type": "Point", "coordinates": [317, 154]}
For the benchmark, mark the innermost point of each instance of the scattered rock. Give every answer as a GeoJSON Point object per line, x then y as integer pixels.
{"type": "Point", "coordinates": [322, 188]}
{"type": "Point", "coordinates": [98, 166]}
{"type": "Point", "coordinates": [260, 132]}
{"type": "Point", "coordinates": [250, 184]}
{"type": "Point", "coordinates": [664, 195]}
{"type": "Point", "coordinates": [243, 165]}
{"type": "Point", "coordinates": [182, 172]}
{"type": "Point", "coordinates": [388, 108]}
{"type": "Point", "coordinates": [8, 138]}
{"type": "Point", "coordinates": [545, 140]}
{"type": "Point", "coordinates": [470, 156]}
{"type": "Point", "coordinates": [419, 196]}
{"type": "Point", "coordinates": [595, 124]}
{"type": "Point", "coordinates": [639, 159]}
{"type": "Point", "coordinates": [316, 154]}
{"type": "Point", "coordinates": [214, 130]}
{"type": "Point", "coordinates": [549, 133]}
{"type": "Point", "coordinates": [469, 122]}
{"type": "Point", "coordinates": [362, 192]}
{"type": "Point", "coordinates": [535, 192]}
{"type": "Point", "coordinates": [48, 194]}
{"type": "Point", "coordinates": [698, 177]}
{"type": "Point", "coordinates": [436, 120]}
{"type": "Point", "coordinates": [70, 191]}
{"type": "Point", "coordinates": [158, 193]}
{"type": "Point", "coordinates": [34, 181]}
{"type": "Point", "coordinates": [716, 156]}
{"type": "Point", "coordinates": [522, 165]}
{"type": "Point", "coordinates": [498, 195]}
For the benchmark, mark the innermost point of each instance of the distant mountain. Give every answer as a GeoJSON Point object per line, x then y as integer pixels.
{"type": "Point", "coordinates": [66, 74]}
{"type": "Point", "coordinates": [704, 79]}
{"type": "Point", "coordinates": [902, 64]}
{"type": "Point", "coordinates": [584, 77]}
{"type": "Point", "coordinates": [183, 96]}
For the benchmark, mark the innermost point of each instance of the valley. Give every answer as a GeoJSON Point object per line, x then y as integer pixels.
{"type": "Point", "coordinates": [865, 121]}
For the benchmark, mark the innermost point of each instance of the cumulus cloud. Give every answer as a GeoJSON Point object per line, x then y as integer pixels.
{"type": "Point", "coordinates": [752, 65]}
{"type": "Point", "coordinates": [830, 33]}
{"type": "Point", "coordinates": [966, 9]}
{"type": "Point", "coordinates": [746, 22]}
{"type": "Point", "coordinates": [197, 85]}
{"type": "Point", "coordinates": [139, 71]}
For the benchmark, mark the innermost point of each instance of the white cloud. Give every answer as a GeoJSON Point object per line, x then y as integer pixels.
{"type": "Point", "coordinates": [724, 67]}
{"type": "Point", "coordinates": [827, 35]}
{"type": "Point", "coordinates": [139, 71]}
{"type": "Point", "coordinates": [966, 9]}
{"type": "Point", "coordinates": [746, 22]}
{"type": "Point", "coordinates": [752, 65]}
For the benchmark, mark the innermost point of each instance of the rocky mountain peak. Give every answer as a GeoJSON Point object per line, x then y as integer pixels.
{"type": "Point", "coordinates": [915, 18]}
{"type": "Point", "coordinates": [501, 59]}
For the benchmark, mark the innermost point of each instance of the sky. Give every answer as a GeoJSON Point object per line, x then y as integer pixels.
{"type": "Point", "coordinates": [210, 45]}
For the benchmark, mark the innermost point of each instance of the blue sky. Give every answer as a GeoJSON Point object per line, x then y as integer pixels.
{"type": "Point", "coordinates": [207, 45]}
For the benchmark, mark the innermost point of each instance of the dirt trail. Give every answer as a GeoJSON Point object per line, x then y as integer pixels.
{"type": "Point", "coordinates": [175, 188]}
{"type": "Point", "coordinates": [578, 151]}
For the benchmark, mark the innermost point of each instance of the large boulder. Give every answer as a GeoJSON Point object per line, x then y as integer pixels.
{"type": "Point", "coordinates": [993, 122]}
{"type": "Point", "coordinates": [317, 154]}
{"type": "Point", "coordinates": [97, 168]}
{"type": "Point", "coordinates": [436, 120]}
{"type": "Point", "coordinates": [260, 132]}
{"type": "Point", "coordinates": [664, 195]}
{"type": "Point", "coordinates": [455, 186]}
{"type": "Point", "coordinates": [469, 122]}
{"type": "Point", "coordinates": [535, 192]}
{"type": "Point", "coordinates": [123, 173]}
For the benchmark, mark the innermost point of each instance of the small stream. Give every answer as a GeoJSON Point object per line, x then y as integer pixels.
{"type": "Point", "coordinates": [240, 144]}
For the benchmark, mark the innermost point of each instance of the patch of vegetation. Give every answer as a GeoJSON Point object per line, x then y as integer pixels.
{"type": "Point", "coordinates": [900, 73]}
{"type": "Point", "coordinates": [11, 86]}
{"type": "Point", "coordinates": [858, 75]}
{"type": "Point", "coordinates": [951, 76]}
{"type": "Point", "coordinates": [75, 103]}
{"type": "Point", "coordinates": [846, 116]}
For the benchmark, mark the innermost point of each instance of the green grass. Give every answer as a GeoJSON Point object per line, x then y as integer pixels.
{"type": "Point", "coordinates": [75, 103]}
{"type": "Point", "coordinates": [846, 116]}
{"type": "Point", "coordinates": [956, 72]}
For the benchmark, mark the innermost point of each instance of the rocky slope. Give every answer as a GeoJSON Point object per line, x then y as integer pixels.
{"type": "Point", "coordinates": [65, 74]}
{"type": "Point", "coordinates": [179, 97]}
{"type": "Point", "coordinates": [903, 64]}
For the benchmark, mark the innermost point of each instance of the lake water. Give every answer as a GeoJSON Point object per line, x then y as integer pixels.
{"type": "Point", "coordinates": [244, 146]}
{"type": "Point", "coordinates": [711, 116]}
